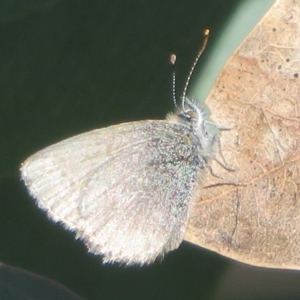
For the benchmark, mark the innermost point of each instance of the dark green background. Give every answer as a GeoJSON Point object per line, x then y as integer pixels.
{"type": "Point", "coordinates": [70, 66]}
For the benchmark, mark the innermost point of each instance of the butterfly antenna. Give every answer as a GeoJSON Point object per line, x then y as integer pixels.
{"type": "Point", "coordinates": [173, 63]}
{"type": "Point", "coordinates": [206, 35]}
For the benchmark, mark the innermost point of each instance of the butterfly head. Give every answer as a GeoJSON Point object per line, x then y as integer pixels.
{"type": "Point", "coordinates": [197, 118]}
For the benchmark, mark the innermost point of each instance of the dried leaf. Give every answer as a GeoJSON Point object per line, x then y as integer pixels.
{"type": "Point", "coordinates": [257, 95]}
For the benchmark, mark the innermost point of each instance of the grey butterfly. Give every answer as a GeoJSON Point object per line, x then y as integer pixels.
{"type": "Point", "coordinates": [127, 189]}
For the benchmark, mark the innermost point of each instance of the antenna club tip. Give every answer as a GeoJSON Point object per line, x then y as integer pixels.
{"type": "Point", "coordinates": [206, 31]}
{"type": "Point", "coordinates": [173, 59]}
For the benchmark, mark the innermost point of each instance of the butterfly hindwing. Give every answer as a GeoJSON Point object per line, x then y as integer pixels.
{"type": "Point", "coordinates": [104, 185]}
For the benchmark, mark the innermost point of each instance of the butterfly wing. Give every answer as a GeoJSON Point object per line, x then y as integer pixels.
{"type": "Point", "coordinates": [124, 189]}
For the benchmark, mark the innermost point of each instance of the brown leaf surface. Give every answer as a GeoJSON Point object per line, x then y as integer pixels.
{"type": "Point", "coordinates": [257, 95]}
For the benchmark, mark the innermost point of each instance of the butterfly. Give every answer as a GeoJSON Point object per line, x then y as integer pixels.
{"type": "Point", "coordinates": [127, 189]}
